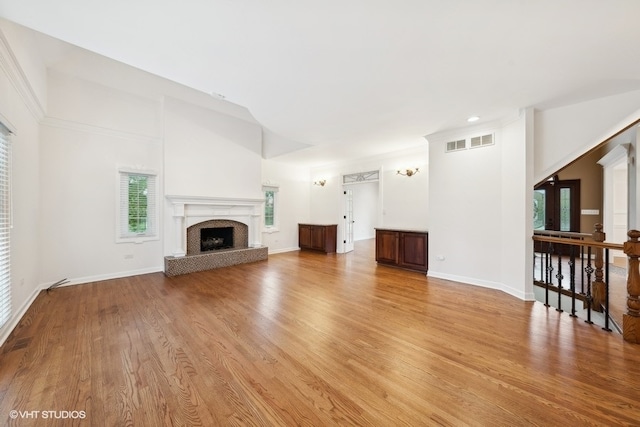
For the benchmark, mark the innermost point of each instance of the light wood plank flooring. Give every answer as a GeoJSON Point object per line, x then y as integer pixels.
{"type": "Point", "coordinates": [311, 339]}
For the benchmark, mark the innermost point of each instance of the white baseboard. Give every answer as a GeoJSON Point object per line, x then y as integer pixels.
{"type": "Point", "coordinates": [17, 316]}
{"type": "Point", "coordinates": [280, 251]}
{"type": "Point", "coordinates": [484, 284]}
{"type": "Point", "coordinates": [100, 277]}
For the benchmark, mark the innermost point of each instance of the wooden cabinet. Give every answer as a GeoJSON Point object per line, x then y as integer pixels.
{"type": "Point", "coordinates": [403, 248]}
{"type": "Point", "coordinates": [318, 237]}
{"type": "Point", "coordinates": [387, 246]}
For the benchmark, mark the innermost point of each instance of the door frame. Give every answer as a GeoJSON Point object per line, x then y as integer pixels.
{"type": "Point", "coordinates": [350, 184]}
{"type": "Point", "coordinates": [552, 204]}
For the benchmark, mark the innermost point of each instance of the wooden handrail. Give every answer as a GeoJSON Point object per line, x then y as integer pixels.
{"type": "Point", "coordinates": [566, 241]}
{"type": "Point", "coordinates": [563, 234]}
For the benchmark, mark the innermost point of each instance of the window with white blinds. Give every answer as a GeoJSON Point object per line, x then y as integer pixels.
{"type": "Point", "coordinates": [137, 215]}
{"type": "Point", "coordinates": [270, 207]}
{"type": "Point", "coordinates": [5, 226]}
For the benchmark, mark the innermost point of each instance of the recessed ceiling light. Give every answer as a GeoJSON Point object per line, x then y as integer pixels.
{"type": "Point", "coordinates": [473, 119]}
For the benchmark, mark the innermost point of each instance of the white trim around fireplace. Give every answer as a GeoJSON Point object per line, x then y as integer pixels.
{"type": "Point", "coordinates": [190, 210]}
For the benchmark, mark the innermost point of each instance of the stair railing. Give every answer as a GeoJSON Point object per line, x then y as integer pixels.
{"type": "Point", "coordinates": [592, 252]}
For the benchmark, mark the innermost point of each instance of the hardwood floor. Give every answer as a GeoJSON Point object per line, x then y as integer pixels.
{"type": "Point", "coordinates": [310, 339]}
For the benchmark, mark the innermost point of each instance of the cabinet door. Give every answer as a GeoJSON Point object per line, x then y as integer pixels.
{"type": "Point", "coordinates": [304, 236]}
{"type": "Point", "coordinates": [387, 246]}
{"type": "Point", "coordinates": [413, 251]}
{"type": "Point", "coordinates": [317, 237]}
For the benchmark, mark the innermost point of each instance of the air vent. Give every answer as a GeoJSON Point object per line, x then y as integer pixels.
{"type": "Point", "coordinates": [460, 144]}
{"type": "Point", "coordinates": [481, 141]}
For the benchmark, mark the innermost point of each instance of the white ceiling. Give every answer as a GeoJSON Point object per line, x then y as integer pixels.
{"type": "Point", "coordinates": [355, 78]}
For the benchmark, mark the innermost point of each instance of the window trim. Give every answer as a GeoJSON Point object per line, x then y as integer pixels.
{"type": "Point", "coordinates": [153, 233]}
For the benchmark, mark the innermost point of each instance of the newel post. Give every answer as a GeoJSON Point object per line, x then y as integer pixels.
{"type": "Point", "coordinates": [631, 319]}
{"type": "Point", "coordinates": [599, 288]}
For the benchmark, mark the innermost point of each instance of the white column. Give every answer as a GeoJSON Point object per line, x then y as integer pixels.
{"type": "Point", "coordinates": [255, 231]}
{"type": "Point", "coordinates": [179, 231]}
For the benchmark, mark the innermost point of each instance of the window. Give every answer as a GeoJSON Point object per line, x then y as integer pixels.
{"type": "Point", "coordinates": [5, 226]}
{"type": "Point", "coordinates": [359, 177]}
{"type": "Point", "coordinates": [137, 218]}
{"type": "Point", "coordinates": [270, 207]}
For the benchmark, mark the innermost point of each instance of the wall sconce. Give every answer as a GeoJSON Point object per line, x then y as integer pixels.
{"type": "Point", "coordinates": [409, 172]}
{"type": "Point", "coordinates": [321, 183]}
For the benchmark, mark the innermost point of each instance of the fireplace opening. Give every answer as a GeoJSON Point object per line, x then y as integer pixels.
{"type": "Point", "coordinates": [216, 238]}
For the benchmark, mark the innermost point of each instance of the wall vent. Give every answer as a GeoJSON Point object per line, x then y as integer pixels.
{"type": "Point", "coordinates": [460, 144]}
{"type": "Point", "coordinates": [481, 141]}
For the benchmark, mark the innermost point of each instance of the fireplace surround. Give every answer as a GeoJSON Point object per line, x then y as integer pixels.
{"type": "Point", "coordinates": [192, 214]}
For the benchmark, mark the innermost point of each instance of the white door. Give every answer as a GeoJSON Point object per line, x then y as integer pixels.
{"type": "Point", "coordinates": [348, 220]}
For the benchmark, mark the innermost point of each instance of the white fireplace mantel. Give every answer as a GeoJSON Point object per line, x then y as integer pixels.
{"type": "Point", "coordinates": [190, 210]}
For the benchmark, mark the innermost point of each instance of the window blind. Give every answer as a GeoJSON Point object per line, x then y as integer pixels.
{"type": "Point", "coordinates": [5, 226]}
{"type": "Point", "coordinates": [137, 205]}
{"type": "Point", "coordinates": [270, 195]}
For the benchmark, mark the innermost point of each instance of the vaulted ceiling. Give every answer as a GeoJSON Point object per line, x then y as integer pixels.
{"type": "Point", "coordinates": [349, 78]}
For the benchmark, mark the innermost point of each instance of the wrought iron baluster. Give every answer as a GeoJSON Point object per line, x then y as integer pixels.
{"type": "Point", "coordinates": [582, 269]}
{"type": "Point", "coordinates": [559, 276]}
{"type": "Point", "coordinates": [606, 289]}
{"type": "Point", "coordinates": [549, 274]}
{"type": "Point", "coordinates": [589, 270]}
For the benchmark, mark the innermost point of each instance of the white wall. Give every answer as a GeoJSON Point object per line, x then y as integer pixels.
{"type": "Point", "coordinates": [208, 153]}
{"type": "Point", "coordinates": [21, 107]}
{"type": "Point", "coordinates": [517, 206]}
{"type": "Point", "coordinates": [481, 207]}
{"type": "Point", "coordinates": [466, 208]}
{"type": "Point", "coordinates": [563, 134]}
{"type": "Point", "coordinates": [91, 131]}
{"type": "Point", "coordinates": [25, 67]}
{"type": "Point", "coordinates": [293, 204]}
{"type": "Point", "coordinates": [403, 202]}
{"type": "Point", "coordinates": [406, 199]}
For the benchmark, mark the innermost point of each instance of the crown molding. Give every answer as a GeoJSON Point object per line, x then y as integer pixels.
{"type": "Point", "coordinates": [11, 67]}
{"type": "Point", "coordinates": [96, 130]}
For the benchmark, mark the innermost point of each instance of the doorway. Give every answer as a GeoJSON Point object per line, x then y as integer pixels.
{"type": "Point", "coordinates": [348, 220]}
{"type": "Point", "coordinates": [556, 205]}
{"type": "Point", "coordinates": [361, 208]}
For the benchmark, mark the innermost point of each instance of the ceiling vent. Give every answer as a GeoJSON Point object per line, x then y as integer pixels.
{"type": "Point", "coordinates": [460, 144]}
{"type": "Point", "coordinates": [481, 141]}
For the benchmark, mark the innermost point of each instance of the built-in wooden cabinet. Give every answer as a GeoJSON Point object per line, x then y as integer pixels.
{"type": "Point", "coordinates": [403, 248]}
{"type": "Point", "coordinates": [318, 237]}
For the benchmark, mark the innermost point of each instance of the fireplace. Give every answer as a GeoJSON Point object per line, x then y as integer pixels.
{"type": "Point", "coordinates": [216, 238]}
{"type": "Point", "coordinates": [215, 235]}
{"type": "Point", "coordinates": [193, 214]}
